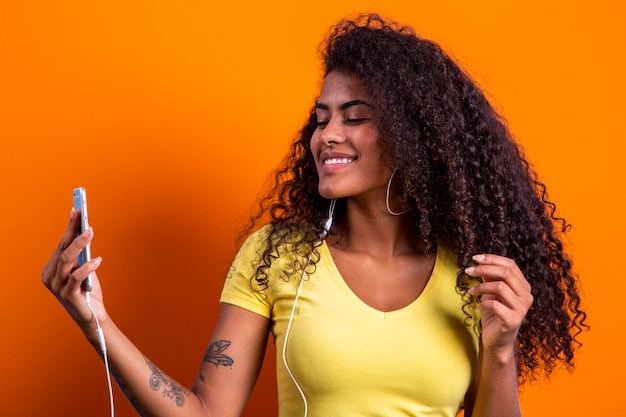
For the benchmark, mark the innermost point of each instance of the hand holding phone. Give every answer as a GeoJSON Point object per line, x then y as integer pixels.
{"type": "Point", "coordinates": [80, 204]}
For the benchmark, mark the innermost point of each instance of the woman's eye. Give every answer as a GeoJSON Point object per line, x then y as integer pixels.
{"type": "Point", "coordinates": [356, 120]}
{"type": "Point", "coordinates": [321, 123]}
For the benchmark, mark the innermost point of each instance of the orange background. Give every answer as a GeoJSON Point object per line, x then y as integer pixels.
{"type": "Point", "coordinates": [172, 113]}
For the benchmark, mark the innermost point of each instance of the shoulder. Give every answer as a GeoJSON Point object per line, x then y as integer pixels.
{"type": "Point", "coordinates": [278, 238]}
{"type": "Point", "coordinates": [273, 249]}
{"type": "Point", "coordinates": [256, 242]}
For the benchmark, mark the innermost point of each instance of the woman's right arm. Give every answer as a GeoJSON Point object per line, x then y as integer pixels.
{"type": "Point", "coordinates": [230, 366]}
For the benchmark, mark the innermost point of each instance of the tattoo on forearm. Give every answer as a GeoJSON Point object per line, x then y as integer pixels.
{"type": "Point", "coordinates": [171, 389]}
{"type": "Point", "coordinates": [214, 354]}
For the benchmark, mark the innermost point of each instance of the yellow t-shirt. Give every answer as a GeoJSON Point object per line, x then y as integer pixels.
{"type": "Point", "coordinates": [351, 359]}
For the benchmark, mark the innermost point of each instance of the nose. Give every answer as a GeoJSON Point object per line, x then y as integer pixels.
{"type": "Point", "coordinates": [333, 132]}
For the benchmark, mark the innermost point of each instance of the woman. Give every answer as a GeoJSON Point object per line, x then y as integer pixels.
{"type": "Point", "coordinates": [411, 263]}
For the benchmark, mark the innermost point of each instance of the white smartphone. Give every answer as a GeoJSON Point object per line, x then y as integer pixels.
{"type": "Point", "coordinates": [80, 203]}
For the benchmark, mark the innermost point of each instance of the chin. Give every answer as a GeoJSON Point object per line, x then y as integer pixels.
{"type": "Point", "coordinates": [329, 193]}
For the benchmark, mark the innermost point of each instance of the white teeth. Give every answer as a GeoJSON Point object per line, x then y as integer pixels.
{"type": "Point", "coordinates": [337, 161]}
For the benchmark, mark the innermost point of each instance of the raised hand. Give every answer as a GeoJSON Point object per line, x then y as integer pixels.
{"type": "Point", "coordinates": [505, 297]}
{"type": "Point", "coordinates": [62, 276]}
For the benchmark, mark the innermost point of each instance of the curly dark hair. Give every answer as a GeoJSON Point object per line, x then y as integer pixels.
{"type": "Point", "coordinates": [466, 181]}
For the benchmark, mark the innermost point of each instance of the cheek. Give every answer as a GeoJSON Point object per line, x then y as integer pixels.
{"type": "Point", "coordinates": [373, 149]}
{"type": "Point", "coordinates": [314, 145]}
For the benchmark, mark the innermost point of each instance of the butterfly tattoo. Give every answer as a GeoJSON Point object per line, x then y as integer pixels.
{"type": "Point", "coordinates": [214, 354]}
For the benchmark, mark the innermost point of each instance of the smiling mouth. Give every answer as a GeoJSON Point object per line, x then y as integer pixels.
{"type": "Point", "coordinates": [333, 161]}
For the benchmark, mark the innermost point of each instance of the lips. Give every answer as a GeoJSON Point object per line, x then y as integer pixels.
{"type": "Point", "coordinates": [336, 159]}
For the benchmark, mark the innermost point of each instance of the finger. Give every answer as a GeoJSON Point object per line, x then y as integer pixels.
{"type": "Point", "coordinates": [491, 259]}
{"type": "Point", "coordinates": [68, 259]}
{"type": "Point", "coordinates": [514, 279]}
{"type": "Point", "coordinates": [73, 297]}
{"type": "Point", "coordinates": [80, 274]}
{"type": "Point", "coordinates": [71, 231]}
{"type": "Point", "coordinates": [508, 319]}
{"type": "Point", "coordinates": [493, 267]}
{"type": "Point", "coordinates": [49, 270]}
{"type": "Point", "coordinates": [496, 272]}
{"type": "Point", "coordinates": [501, 292]}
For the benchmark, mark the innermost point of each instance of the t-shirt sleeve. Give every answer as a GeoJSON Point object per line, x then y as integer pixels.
{"type": "Point", "coordinates": [240, 287]}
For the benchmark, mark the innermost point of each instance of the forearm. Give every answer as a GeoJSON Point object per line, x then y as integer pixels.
{"type": "Point", "coordinates": [149, 390]}
{"type": "Point", "coordinates": [497, 392]}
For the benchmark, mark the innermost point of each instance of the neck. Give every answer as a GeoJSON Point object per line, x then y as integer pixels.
{"type": "Point", "coordinates": [373, 230]}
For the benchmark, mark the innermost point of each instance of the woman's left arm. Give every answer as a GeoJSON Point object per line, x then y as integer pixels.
{"type": "Point", "coordinates": [505, 298]}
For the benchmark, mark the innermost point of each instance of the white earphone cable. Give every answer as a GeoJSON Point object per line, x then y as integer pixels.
{"type": "Point", "coordinates": [323, 234]}
{"type": "Point", "coordinates": [103, 349]}
{"type": "Point", "coordinates": [293, 309]}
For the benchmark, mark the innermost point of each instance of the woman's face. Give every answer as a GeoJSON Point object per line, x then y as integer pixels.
{"type": "Point", "coordinates": [345, 143]}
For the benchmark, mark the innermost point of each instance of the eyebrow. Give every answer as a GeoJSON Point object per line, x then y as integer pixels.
{"type": "Point", "coordinates": [344, 105]}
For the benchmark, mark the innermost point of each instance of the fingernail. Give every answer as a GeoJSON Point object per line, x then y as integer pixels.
{"type": "Point", "coordinates": [88, 232]}
{"type": "Point", "coordinates": [97, 261]}
{"type": "Point", "coordinates": [72, 213]}
{"type": "Point", "coordinates": [470, 270]}
{"type": "Point", "coordinates": [478, 258]}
